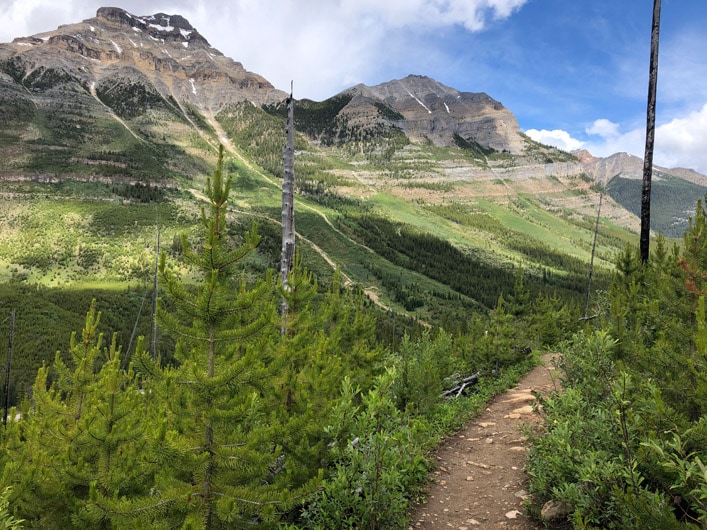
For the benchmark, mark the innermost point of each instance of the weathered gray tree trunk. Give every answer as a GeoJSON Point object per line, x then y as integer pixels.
{"type": "Point", "coordinates": [591, 261]}
{"type": "Point", "coordinates": [650, 137]}
{"type": "Point", "coordinates": [8, 363]}
{"type": "Point", "coordinates": [288, 201]}
{"type": "Point", "coordinates": [155, 286]}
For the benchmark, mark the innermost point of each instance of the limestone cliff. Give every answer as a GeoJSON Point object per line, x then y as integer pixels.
{"type": "Point", "coordinates": [429, 110]}
{"type": "Point", "coordinates": [162, 50]}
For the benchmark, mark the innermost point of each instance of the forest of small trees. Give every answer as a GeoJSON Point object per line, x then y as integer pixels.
{"type": "Point", "coordinates": [247, 418]}
{"type": "Point", "coordinates": [323, 417]}
{"type": "Point", "coordinates": [624, 444]}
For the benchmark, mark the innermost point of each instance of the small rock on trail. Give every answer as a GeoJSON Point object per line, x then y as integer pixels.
{"type": "Point", "coordinates": [479, 481]}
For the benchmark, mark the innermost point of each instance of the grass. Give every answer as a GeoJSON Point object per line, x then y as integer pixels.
{"type": "Point", "coordinates": [57, 242]}
{"type": "Point", "coordinates": [527, 217]}
{"type": "Point", "coordinates": [97, 240]}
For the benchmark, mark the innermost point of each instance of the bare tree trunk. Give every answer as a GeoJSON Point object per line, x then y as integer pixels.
{"type": "Point", "coordinates": [591, 261]}
{"type": "Point", "coordinates": [650, 137]}
{"type": "Point", "coordinates": [154, 291]}
{"type": "Point", "coordinates": [288, 201]}
{"type": "Point", "coordinates": [8, 364]}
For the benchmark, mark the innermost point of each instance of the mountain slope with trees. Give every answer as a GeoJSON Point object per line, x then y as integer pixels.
{"type": "Point", "coordinates": [421, 258]}
{"type": "Point", "coordinates": [244, 424]}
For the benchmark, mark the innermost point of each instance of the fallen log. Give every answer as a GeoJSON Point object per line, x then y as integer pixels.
{"type": "Point", "coordinates": [462, 387]}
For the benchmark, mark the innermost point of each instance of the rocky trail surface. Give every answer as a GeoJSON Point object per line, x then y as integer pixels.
{"type": "Point", "coordinates": [479, 481]}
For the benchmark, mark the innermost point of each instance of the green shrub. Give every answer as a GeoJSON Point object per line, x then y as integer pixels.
{"type": "Point", "coordinates": [379, 455]}
{"type": "Point", "coordinates": [423, 366]}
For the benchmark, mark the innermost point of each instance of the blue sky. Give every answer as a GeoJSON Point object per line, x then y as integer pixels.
{"type": "Point", "coordinates": [574, 72]}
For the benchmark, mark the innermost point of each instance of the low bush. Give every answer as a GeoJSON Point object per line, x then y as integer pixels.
{"type": "Point", "coordinates": [625, 444]}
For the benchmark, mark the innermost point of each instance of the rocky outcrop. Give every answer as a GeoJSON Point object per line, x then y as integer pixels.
{"type": "Point", "coordinates": [428, 110]}
{"type": "Point", "coordinates": [164, 49]}
{"type": "Point", "coordinates": [159, 26]}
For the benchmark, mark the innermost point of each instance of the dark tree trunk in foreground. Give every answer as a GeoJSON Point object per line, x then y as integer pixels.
{"type": "Point", "coordinates": [650, 136]}
{"type": "Point", "coordinates": [288, 201]}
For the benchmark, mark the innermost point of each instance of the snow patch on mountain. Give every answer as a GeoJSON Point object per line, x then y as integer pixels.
{"type": "Point", "coordinates": [420, 102]}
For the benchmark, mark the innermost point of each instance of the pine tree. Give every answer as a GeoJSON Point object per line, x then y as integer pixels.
{"type": "Point", "coordinates": [86, 432]}
{"type": "Point", "coordinates": [310, 382]}
{"type": "Point", "coordinates": [221, 404]}
{"type": "Point", "coordinates": [328, 338]}
{"type": "Point", "coordinates": [349, 328]}
{"type": "Point", "coordinates": [496, 346]}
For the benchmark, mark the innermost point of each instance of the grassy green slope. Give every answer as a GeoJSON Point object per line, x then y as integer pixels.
{"type": "Point", "coordinates": [63, 131]}
{"type": "Point", "coordinates": [438, 259]}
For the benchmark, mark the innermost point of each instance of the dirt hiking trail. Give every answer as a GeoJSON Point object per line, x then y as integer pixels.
{"type": "Point", "coordinates": [480, 482]}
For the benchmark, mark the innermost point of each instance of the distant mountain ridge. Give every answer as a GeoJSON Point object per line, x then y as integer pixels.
{"type": "Point", "coordinates": [674, 192]}
{"type": "Point", "coordinates": [630, 167]}
{"type": "Point", "coordinates": [120, 83]}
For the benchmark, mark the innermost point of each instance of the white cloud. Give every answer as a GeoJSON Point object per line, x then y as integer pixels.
{"type": "Point", "coordinates": [682, 142]}
{"type": "Point", "coordinates": [604, 128]}
{"type": "Point", "coordinates": [632, 142]}
{"type": "Point", "coordinates": [472, 14]}
{"type": "Point", "coordinates": [24, 17]}
{"type": "Point", "coordinates": [557, 138]}
{"type": "Point", "coordinates": [325, 46]}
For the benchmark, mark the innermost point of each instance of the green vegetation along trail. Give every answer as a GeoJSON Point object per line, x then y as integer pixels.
{"type": "Point", "coordinates": [479, 481]}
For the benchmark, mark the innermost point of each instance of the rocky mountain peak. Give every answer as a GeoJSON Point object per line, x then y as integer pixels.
{"type": "Point", "coordinates": [583, 156]}
{"type": "Point", "coordinates": [159, 25]}
{"type": "Point", "coordinates": [629, 166]}
{"type": "Point", "coordinates": [161, 52]}
{"type": "Point", "coordinates": [444, 115]}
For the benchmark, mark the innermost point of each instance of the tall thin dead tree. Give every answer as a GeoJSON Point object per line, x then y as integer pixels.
{"type": "Point", "coordinates": [8, 364]}
{"type": "Point", "coordinates": [155, 286]}
{"type": "Point", "coordinates": [591, 261]}
{"type": "Point", "coordinates": [650, 137]}
{"type": "Point", "coordinates": [288, 201]}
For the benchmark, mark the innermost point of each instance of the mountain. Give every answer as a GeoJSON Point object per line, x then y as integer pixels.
{"type": "Point", "coordinates": [164, 53]}
{"type": "Point", "coordinates": [117, 96]}
{"type": "Point", "coordinates": [631, 167]}
{"type": "Point", "coordinates": [120, 110]}
{"type": "Point", "coordinates": [425, 109]}
{"type": "Point", "coordinates": [77, 99]}
{"type": "Point", "coordinates": [674, 192]}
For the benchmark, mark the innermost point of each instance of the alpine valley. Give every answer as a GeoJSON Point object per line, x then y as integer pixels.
{"type": "Point", "coordinates": [159, 374]}
{"type": "Point", "coordinates": [428, 199]}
